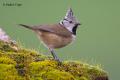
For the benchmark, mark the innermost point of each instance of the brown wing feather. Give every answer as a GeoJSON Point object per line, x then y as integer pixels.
{"type": "Point", "coordinates": [56, 28]}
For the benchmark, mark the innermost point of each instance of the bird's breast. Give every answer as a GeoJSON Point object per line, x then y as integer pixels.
{"type": "Point", "coordinates": [52, 40]}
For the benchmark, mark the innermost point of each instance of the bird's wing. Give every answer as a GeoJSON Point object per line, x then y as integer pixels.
{"type": "Point", "coordinates": [56, 28]}
{"type": "Point", "coordinates": [44, 28]}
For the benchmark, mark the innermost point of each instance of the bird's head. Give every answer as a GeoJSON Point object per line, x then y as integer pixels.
{"type": "Point", "coordinates": [70, 22]}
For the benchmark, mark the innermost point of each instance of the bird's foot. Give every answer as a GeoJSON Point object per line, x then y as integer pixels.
{"type": "Point", "coordinates": [57, 59]}
{"type": "Point", "coordinates": [55, 56]}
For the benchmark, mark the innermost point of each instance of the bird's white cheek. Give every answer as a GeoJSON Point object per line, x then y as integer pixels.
{"type": "Point", "coordinates": [70, 27]}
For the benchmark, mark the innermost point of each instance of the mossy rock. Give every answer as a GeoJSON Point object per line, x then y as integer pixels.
{"type": "Point", "coordinates": [17, 63]}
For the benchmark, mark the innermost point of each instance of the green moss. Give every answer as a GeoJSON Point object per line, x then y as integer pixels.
{"type": "Point", "coordinates": [37, 69]}
{"type": "Point", "coordinates": [82, 71]}
{"type": "Point", "coordinates": [8, 72]}
{"type": "Point", "coordinates": [83, 78]}
{"type": "Point", "coordinates": [6, 60]}
{"type": "Point", "coordinates": [17, 63]}
{"type": "Point", "coordinates": [47, 70]}
{"type": "Point", "coordinates": [57, 75]}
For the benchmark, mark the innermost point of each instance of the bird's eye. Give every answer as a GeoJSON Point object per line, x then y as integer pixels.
{"type": "Point", "coordinates": [70, 22]}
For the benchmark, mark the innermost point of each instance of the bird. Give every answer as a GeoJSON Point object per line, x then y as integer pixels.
{"type": "Point", "coordinates": [58, 35]}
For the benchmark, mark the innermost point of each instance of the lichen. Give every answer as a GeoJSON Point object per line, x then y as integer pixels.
{"type": "Point", "coordinates": [26, 64]}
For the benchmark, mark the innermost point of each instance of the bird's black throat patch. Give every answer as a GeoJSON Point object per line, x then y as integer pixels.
{"type": "Point", "coordinates": [74, 29]}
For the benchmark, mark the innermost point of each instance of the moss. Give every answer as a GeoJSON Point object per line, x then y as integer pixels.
{"type": "Point", "coordinates": [82, 71]}
{"type": "Point", "coordinates": [47, 70]}
{"type": "Point", "coordinates": [37, 69]}
{"type": "Point", "coordinates": [7, 60]}
{"type": "Point", "coordinates": [8, 72]}
{"type": "Point", "coordinates": [57, 75]}
{"type": "Point", "coordinates": [24, 64]}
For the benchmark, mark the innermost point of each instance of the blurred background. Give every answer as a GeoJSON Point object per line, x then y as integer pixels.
{"type": "Point", "coordinates": [98, 38]}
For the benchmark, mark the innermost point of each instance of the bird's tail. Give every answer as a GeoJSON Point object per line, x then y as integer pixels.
{"type": "Point", "coordinates": [26, 26]}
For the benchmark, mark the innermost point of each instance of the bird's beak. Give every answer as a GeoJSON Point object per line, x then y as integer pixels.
{"type": "Point", "coordinates": [78, 24]}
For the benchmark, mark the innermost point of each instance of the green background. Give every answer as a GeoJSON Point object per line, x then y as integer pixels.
{"type": "Point", "coordinates": [98, 38]}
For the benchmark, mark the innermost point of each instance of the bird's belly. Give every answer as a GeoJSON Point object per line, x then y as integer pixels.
{"type": "Point", "coordinates": [52, 40]}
